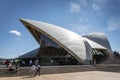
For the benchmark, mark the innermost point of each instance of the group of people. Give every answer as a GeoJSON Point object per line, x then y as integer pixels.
{"type": "Point", "coordinates": [12, 61]}
{"type": "Point", "coordinates": [12, 68]}
{"type": "Point", "coordinates": [28, 62]}
{"type": "Point", "coordinates": [34, 69]}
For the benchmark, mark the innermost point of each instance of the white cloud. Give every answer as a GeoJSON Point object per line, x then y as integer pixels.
{"type": "Point", "coordinates": [113, 23]}
{"type": "Point", "coordinates": [74, 7]}
{"type": "Point", "coordinates": [95, 7]}
{"type": "Point", "coordinates": [17, 33]}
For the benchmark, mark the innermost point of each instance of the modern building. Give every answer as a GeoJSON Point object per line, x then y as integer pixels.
{"type": "Point", "coordinates": [61, 46]}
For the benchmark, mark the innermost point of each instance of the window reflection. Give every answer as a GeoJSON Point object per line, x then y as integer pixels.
{"type": "Point", "coordinates": [45, 41]}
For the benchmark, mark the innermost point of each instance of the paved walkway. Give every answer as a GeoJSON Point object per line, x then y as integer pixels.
{"type": "Point", "coordinates": [88, 75]}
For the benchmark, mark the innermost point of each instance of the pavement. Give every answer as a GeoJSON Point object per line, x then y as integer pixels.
{"type": "Point", "coordinates": [76, 72]}
{"type": "Point", "coordinates": [89, 75]}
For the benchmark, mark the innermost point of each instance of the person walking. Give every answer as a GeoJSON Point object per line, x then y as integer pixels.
{"type": "Point", "coordinates": [17, 68]}
{"type": "Point", "coordinates": [32, 70]}
{"type": "Point", "coordinates": [94, 62]}
{"type": "Point", "coordinates": [38, 67]}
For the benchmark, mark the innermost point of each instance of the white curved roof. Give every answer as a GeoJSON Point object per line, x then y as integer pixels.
{"type": "Point", "coordinates": [94, 44]}
{"type": "Point", "coordinates": [100, 39]}
{"type": "Point", "coordinates": [71, 42]}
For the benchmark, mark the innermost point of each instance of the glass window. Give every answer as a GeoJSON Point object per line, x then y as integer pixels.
{"type": "Point", "coordinates": [45, 41]}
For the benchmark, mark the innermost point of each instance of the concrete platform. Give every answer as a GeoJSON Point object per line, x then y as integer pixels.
{"type": "Point", "coordinates": [89, 75]}
{"type": "Point", "coordinates": [85, 72]}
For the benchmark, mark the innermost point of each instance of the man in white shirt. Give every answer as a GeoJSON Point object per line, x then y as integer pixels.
{"type": "Point", "coordinates": [32, 70]}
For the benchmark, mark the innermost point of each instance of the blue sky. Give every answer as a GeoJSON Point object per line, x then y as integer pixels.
{"type": "Point", "coordinates": [79, 16]}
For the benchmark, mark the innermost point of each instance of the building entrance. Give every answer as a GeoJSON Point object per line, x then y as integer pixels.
{"type": "Point", "coordinates": [99, 55]}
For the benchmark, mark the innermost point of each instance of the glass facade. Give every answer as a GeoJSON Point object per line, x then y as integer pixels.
{"type": "Point", "coordinates": [50, 53]}
{"type": "Point", "coordinates": [45, 41]}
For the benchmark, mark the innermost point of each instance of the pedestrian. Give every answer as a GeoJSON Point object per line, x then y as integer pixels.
{"type": "Point", "coordinates": [32, 70]}
{"type": "Point", "coordinates": [38, 67]}
{"type": "Point", "coordinates": [14, 61]}
{"type": "Point", "coordinates": [23, 63]}
{"type": "Point", "coordinates": [94, 62]}
{"type": "Point", "coordinates": [30, 63]}
{"type": "Point", "coordinates": [36, 62]}
{"type": "Point", "coordinates": [10, 68]}
{"type": "Point", "coordinates": [17, 68]}
{"type": "Point", "coordinates": [7, 63]}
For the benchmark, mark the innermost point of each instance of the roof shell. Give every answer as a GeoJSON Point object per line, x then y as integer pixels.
{"type": "Point", "coordinates": [70, 41]}
{"type": "Point", "coordinates": [94, 44]}
{"type": "Point", "coordinates": [98, 38]}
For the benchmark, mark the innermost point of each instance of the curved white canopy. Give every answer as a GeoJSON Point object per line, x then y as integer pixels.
{"type": "Point", "coordinates": [77, 46]}
{"type": "Point", "coordinates": [70, 41]}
